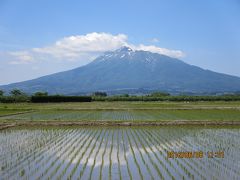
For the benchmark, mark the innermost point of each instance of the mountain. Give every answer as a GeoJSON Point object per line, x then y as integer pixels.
{"type": "Point", "coordinates": [126, 69]}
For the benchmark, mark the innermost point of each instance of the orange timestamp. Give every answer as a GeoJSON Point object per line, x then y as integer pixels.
{"type": "Point", "coordinates": [195, 154]}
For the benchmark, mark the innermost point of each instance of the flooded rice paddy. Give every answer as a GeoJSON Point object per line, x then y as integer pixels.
{"type": "Point", "coordinates": [125, 115]}
{"type": "Point", "coordinates": [119, 153]}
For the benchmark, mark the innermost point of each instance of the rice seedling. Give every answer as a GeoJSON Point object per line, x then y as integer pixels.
{"type": "Point", "coordinates": [149, 171]}
{"type": "Point", "coordinates": [110, 158]}
{"type": "Point", "coordinates": [117, 153]}
{"type": "Point", "coordinates": [20, 163]}
{"type": "Point", "coordinates": [102, 159]}
{"type": "Point", "coordinates": [188, 169]}
{"type": "Point", "coordinates": [134, 157]}
{"type": "Point", "coordinates": [68, 158]}
{"type": "Point", "coordinates": [94, 162]}
{"type": "Point", "coordinates": [90, 153]}
{"type": "Point", "coordinates": [125, 157]}
{"type": "Point", "coordinates": [160, 173]}
{"type": "Point", "coordinates": [118, 159]}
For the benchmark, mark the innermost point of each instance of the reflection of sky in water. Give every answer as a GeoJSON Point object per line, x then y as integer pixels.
{"type": "Point", "coordinates": [149, 147]}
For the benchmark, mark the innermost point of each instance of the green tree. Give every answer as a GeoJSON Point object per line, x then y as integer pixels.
{"type": "Point", "coordinates": [100, 94]}
{"type": "Point", "coordinates": [159, 94]}
{"type": "Point", "coordinates": [124, 95]}
{"type": "Point", "coordinates": [16, 92]}
{"type": "Point", "coordinates": [41, 94]}
{"type": "Point", "coordinates": [1, 92]}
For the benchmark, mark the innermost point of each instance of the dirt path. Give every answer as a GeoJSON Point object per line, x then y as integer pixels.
{"type": "Point", "coordinates": [17, 113]}
{"type": "Point", "coordinates": [6, 126]}
{"type": "Point", "coordinates": [117, 123]}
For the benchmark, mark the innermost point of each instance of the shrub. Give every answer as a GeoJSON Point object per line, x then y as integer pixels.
{"type": "Point", "coordinates": [159, 94]}
{"type": "Point", "coordinates": [169, 98]}
{"type": "Point", "coordinates": [16, 92]}
{"type": "Point", "coordinates": [1, 93]}
{"type": "Point", "coordinates": [58, 98]}
{"type": "Point", "coordinates": [100, 94]}
{"type": "Point", "coordinates": [14, 99]}
{"type": "Point", "coordinates": [41, 94]}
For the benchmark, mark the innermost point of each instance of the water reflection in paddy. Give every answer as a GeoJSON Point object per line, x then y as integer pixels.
{"type": "Point", "coordinates": [118, 153]}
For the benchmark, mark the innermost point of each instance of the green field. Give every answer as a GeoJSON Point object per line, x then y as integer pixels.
{"type": "Point", "coordinates": [121, 111]}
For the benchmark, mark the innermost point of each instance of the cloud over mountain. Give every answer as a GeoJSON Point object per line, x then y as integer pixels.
{"type": "Point", "coordinates": [82, 47]}
{"type": "Point", "coordinates": [129, 69]}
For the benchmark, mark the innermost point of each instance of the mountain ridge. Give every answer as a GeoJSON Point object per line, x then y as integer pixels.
{"type": "Point", "coordinates": [125, 68]}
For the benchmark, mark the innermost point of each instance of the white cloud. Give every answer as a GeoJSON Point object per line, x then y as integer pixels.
{"type": "Point", "coordinates": [21, 57]}
{"type": "Point", "coordinates": [84, 47]}
{"type": "Point", "coordinates": [155, 40]}
{"type": "Point", "coordinates": [75, 46]}
{"type": "Point", "coordinates": [164, 51]}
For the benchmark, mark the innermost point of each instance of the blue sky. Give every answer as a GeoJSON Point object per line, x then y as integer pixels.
{"type": "Point", "coordinates": [43, 37]}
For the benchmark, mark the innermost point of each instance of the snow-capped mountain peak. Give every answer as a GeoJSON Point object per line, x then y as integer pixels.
{"type": "Point", "coordinates": [126, 68]}
{"type": "Point", "coordinates": [121, 53]}
{"type": "Point", "coordinates": [124, 49]}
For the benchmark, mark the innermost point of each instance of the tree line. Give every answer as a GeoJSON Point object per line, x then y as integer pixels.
{"type": "Point", "coordinates": [177, 98]}
{"type": "Point", "coordinates": [41, 97]}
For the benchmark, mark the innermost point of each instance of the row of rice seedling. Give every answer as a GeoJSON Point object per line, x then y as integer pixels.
{"type": "Point", "coordinates": [21, 159]}
{"type": "Point", "coordinates": [106, 159]}
{"type": "Point", "coordinates": [125, 156]}
{"type": "Point", "coordinates": [128, 115]}
{"type": "Point", "coordinates": [91, 115]}
{"type": "Point", "coordinates": [102, 156]}
{"type": "Point", "coordinates": [118, 156]}
{"type": "Point", "coordinates": [84, 147]}
{"type": "Point", "coordinates": [161, 152]}
{"type": "Point", "coordinates": [46, 154]}
{"type": "Point", "coordinates": [203, 164]}
{"type": "Point", "coordinates": [207, 165]}
{"type": "Point", "coordinates": [209, 147]}
{"type": "Point", "coordinates": [117, 153]}
{"type": "Point", "coordinates": [19, 140]}
{"type": "Point", "coordinates": [116, 171]}
{"type": "Point", "coordinates": [86, 167]}
{"type": "Point", "coordinates": [16, 165]}
{"type": "Point", "coordinates": [73, 162]}
{"type": "Point", "coordinates": [87, 115]}
{"type": "Point", "coordinates": [188, 165]}
{"type": "Point", "coordinates": [223, 137]}
{"type": "Point", "coordinates": [96, 155]}
{"type": "Point", "coordinates": [87, 155]}
{"type": "Point", "coordinates": [135, 160]}
{"type": "Point", "coordinates": [219, 144]}
{"type": "Point", "coordinates": [66, 172]}
{"type": "Point", "coordinates": [51, 155]}
{"type": "Point", "coordinates": [170, 145]}
{"type": "Point", "coordinates": [139, 147]}
{"type": "Point", "coordinates": [66, 157]}
{"type": "Point", "coordinates": [161, 146]}
{"type": "Point", "coordinates": [9, 148]}
{"type": "Point", "coordinates": [99, 161]}
{"type": "Point", "coordinates": [110, 157]}
{"type": "Point", "coordinates": [153, 158]}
